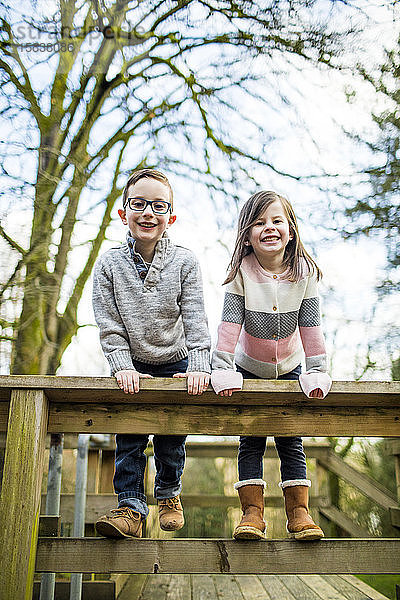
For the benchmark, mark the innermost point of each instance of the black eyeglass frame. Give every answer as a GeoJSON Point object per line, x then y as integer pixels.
{"type": "Point", "coordinates": [147, 203]}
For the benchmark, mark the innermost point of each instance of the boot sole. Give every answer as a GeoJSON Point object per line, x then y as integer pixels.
{"type": "Point", "coordinates": [246, 532]}
{"type": "Point", "coordinates": [307, 535]}
{"type": "Point", "coordinates": [173, 528]}
{"type": "Point", "coordinates": [109, 530]}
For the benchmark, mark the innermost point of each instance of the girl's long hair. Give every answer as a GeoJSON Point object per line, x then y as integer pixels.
{"type": "Point", "coordinates": [295, 254]}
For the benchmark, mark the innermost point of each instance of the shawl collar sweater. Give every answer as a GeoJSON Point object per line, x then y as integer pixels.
{"type": "Point", "coordinates": [158, 319]}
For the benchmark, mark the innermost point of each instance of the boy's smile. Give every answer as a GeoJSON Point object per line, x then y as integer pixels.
{"type": "Point", "coordinates": [147, 227]}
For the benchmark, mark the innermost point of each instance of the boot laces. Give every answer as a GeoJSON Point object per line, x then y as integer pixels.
{"type": "Point", "coordinates": [172, 503]}
{"type": "Point", "coordinates": [125, 511]}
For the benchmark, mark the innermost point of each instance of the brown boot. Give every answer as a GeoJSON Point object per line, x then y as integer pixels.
{"type": "Point", "coordinates": [252, 525]}
{"type": "Point", "coordinates": [300, 525]}
{"type": "Point", "coordinates": [120, 522]}
{"type": "Point", "coordinates": [170, 514]}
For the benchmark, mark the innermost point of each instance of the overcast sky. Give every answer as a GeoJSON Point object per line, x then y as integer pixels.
{"type": "Point", "coordinates": [306, 142]}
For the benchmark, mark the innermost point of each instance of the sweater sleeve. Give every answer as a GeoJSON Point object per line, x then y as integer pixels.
{"type": "Point", "coordinates": [113, 335]}
{"type": "Point", "coordinates": [224, 375]}
{"type": "Point", "coordinates": [313, 341]}
{"type": "Point", "coordinates": [197, 337]}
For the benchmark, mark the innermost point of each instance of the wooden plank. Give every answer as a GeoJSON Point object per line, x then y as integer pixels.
{"type": "Point", "coordinates": [298, 588]}
{"type": "Point", "coordinates": [49, 526]}
{"type": "Point", "coordinates": [340, 518]}
{"type": "Point", "coordinates": [319, 586]}
{"type": "Point", "coordinates": [397, 471]}
{"type": "Point", "coordinates": [101, 555]}
{"type": "Point", "coordinates": [156, 587]}
{"type": "Point", "coordinates": [275, 588]}
{"type": "Point", "coordinates": [251, 588]}
{"type": "Point", "coordinates": [214, 449]}
{"type": "Point", "coordinates": [395, 516]}
{"type": "Point", "coordinates": [230, 449]}
{"type": "Point", "coordinates": [132, 590]}
{"type": "Point", "coordinates": [179, 588]}
{"type": "Point", "coordinates": [368, 486]}
{"type": "Point", "coordinates": [227, 588]}
{"type": "Point", "coordinates": [107, 471]}
{"type": "Point", "coordinates": [224, 420]}
{"type": "Point", "coordinates": [392, 447]}
{"type": "Point", "coordinates": [99, 504]}
{"type": "Point", "coordinates": [4, 412]}
{"type": "Point", "coordinates": [20, 493]}
{"type": "Point", "coordinates": [93, 471]}
{"type": "Point", "coordinates": [370, 592]}
{"type": "Point", "coordinates": [105, 389]}
{"type": "Point", "coordinates": [203, 587]}
{"type": "Point", "coordinates": [345, 589]}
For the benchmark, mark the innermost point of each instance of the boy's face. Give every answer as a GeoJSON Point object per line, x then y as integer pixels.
{"type": "Point", "coordinates": [147, 227]}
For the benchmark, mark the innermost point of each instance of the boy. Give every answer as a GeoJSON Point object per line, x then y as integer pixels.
{"type": "Point", "coordinates": [148, 304]}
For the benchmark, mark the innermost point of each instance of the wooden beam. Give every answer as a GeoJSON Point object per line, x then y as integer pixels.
{"type": "Point", "coordinates": [168, 390]}
{"type": "Point", "coordinates": [224, 420]}
{"type": "Point", "coordinates": [340, 518]}
{"type": "Point", "coordinates": [392, 446]}
{"type": "Point", "coordinates": [365, 484]}
{"type": "Point", "coordinates": [20, 492]}
{"type": "Point", "coordinates": [99, 504]}
{"type": "Point", "coordinates": [102, 555]}
{"type": "Point", "coordinates": [49, 526]}
{"type": "Point", "coordinates": [395, 516]}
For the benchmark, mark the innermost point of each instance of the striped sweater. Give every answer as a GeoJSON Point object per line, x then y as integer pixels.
{"type": "Point", "coordinates": [268, 324]}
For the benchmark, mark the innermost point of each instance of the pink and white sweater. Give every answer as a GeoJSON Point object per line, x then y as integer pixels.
{"type": "Point", "coordinates": [267, 324]}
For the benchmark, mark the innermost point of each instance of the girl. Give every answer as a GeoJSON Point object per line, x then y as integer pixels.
{"type": "Point", "coordinates": [270, 315]}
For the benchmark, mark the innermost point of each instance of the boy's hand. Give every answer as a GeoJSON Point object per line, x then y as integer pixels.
{"type": "Point", "coordinates": [128, 380]}
{"type": "Point", "coordinates": [197, 381]}
{"type": "Point", "coordinates": [317, 393]}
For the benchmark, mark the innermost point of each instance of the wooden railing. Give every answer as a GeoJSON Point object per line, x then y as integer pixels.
{"type": "Point", "coordinates": [30, 407]}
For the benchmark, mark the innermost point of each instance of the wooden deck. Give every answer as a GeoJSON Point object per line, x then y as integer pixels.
{"type": "Point", "coordinates": [249, 587]}
{"type": "Point", "coordinates": [31, 407]}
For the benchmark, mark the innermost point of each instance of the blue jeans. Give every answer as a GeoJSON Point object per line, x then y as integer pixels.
{"type": "Point", "coordinates": [130, 459]}
{"type": "Point", "coordinates": [290, 449]}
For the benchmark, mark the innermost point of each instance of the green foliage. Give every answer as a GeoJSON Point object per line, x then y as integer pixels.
{"type": "Point", "coordinates": [379, 211]}
{"type": "Point", "coordinates": [370, 457]}
{"type": "Point", "coordinates": [96, 90]}
{"type": "Point", "coordinates": [205, 476]}
{"type": "Point", "coordinates": [385, 584]}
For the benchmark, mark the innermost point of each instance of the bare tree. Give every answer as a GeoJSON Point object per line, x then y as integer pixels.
{"type": "Point", "coordinates": [106, 86]}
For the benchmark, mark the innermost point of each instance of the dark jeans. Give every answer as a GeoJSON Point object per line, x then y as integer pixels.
{"type": "Point", "coordinates": [130, 459]}
{"type": "Point", "coordinates": [290, 449]}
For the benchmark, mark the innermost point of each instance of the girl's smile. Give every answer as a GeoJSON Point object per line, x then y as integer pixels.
{"type": "Point", "coordinates": [270, 235]}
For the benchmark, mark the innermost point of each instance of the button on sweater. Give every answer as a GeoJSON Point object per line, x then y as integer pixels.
{"type": "Point", "coordinates": [159, 319]}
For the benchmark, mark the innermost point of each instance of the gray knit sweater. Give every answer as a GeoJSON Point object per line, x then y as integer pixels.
{"type": "Point", "coordinates": [158, 320]}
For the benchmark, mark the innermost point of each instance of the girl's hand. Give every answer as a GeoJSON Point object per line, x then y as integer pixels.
{"type": "Point", "coordinates": [228, 392]}
{"type": "Point", "coordinates": [128, 380]}
{"type": "Point", "coordinates": [317, 393]}
{"type": "Point", "coordinates": [197, 381]}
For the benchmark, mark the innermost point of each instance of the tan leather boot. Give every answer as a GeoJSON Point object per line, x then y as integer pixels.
{"type": "Point", "coordinates": [252, 526]}
{"type": "Point", "coordinates": [170, 514]}
{"type": "Point", "coordinates": [300, 525]}
{"type": "Point", "coordinates": [120, 522]}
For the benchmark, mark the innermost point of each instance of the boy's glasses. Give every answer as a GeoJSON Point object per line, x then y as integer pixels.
{"type": "Point", "coordinates": [159, 207]}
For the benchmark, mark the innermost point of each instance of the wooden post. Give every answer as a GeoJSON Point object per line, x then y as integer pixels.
{"type": "Point", "coordinates": [20, 495]}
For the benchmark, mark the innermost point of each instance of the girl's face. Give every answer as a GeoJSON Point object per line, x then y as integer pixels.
{"type": "Point", "coordinates": [270, 234]}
